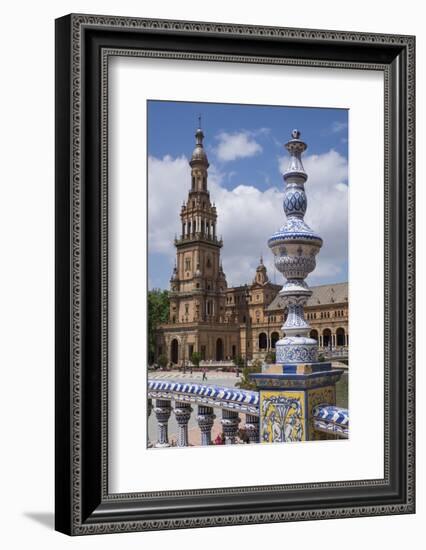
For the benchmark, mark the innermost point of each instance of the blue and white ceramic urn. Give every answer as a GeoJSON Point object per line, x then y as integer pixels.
{"type": "Point", "coordinates": [295, 247]}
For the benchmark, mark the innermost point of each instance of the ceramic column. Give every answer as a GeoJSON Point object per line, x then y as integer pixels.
{"type": "Point", "coordinates": [230, 421]}
{"type": "Point", "coordinates": [162, 411]}
{"type": "Point", "coordinates": [252, 428]}
{"type": "Point", "coordinates": [182, 411]}
{"type": "Point", "coordinates": [205, 419]}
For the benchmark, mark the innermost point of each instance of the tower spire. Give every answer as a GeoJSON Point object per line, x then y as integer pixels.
{"type": "Point", "coordinates": [199, 157]}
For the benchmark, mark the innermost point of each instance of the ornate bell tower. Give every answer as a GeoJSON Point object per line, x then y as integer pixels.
{"type": "Point", "coordinates": [198, 281]}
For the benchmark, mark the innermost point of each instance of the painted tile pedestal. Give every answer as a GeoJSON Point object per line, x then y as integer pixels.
{"type": "Point", "coordinates": [288, 396]}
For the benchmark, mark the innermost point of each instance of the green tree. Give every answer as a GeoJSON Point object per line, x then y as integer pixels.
{"type": "Point", "coordinates": [238, 361]}
{"type": "Point", "coordinates": [162, 360]}
{"type": "Point", "coordinates": [158, 312]}
{"type": "Point", "coordinates": [246, 383]}
{"type": "Point", "coordinates": [196, 358]}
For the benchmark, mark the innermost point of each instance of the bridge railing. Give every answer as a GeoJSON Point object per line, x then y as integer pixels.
{"type": "Point", "coordinates": [182, 399]}
{"type": "Point", "coordinates": [230, 401]}
{"type": "Point", "coordinates": [339, 351]}
{"type": "Point", "coordinates": [331, 420]}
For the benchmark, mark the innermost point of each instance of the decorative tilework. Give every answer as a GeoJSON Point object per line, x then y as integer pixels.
{"type": "Point", "coordinates": [296, 353]}
{"type": "Point", "coordinates": [319, 396]}
{"type": "Point", "coordinates": [282, 417]}
{"type": "Point", "coordinates": [295, 201]}
{"type": "Point", "coordinates": [331, 420]}
{"type": "Point", "coordinates": [217, 396]}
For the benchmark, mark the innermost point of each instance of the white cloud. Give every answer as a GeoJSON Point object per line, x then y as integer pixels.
{"type": "Point", "coordinates": [327, 211]}
{"type": "Point", "coordinates": [236, 145]}
{"type": "Point", "coordinates": [338, 126]}
{"type": "Point", "coordinates": [247, 216]}
{"type": "Point", "coordinates": [168, 181]}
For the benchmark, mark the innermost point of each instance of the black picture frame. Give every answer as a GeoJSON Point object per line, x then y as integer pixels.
{"type": "Point", "coordinates": [83, 504]}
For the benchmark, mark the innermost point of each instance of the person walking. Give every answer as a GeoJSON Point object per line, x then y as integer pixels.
{"type": "Point", "coordinates": [204, 373]}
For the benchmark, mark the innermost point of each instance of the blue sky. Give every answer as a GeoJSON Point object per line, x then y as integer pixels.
{"type": "Point", "coordinates": [244, 144]}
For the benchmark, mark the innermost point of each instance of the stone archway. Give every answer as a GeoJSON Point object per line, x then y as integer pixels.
{"type": "Point", "coordinates": [340, 337]}
{"type": "Point", "coordinates": [263, 341]}
{"type": "Point", "coordinates": [174, 351]}
{"type": "Point", "coordinates": [314, 334]}
{"type": "Point", "coordinates": [326, 338]}
{"type": "Point", "coordinates": [274, 339]}
{"type": "Point", "coordinates": [219, 349]}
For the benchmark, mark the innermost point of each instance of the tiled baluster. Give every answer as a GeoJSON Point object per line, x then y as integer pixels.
{"type": "Point", "coordinates": [162, 411]}
{"type": "Point", "coordinates": [182, 412]}
{"type": "Point", "coordinates": [149, 410]}
{"type": "Point", "coordinates": [205, 419]}
{"type": "Point", "coordinates": [230, 421]}
{"type": "Point", "coordinates": [252, 428]}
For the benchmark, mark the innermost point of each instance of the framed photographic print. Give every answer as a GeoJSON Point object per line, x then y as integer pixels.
{"type": "Point", "coordinates": [234, 274]}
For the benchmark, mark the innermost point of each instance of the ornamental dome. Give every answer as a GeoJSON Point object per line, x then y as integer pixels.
{"type": "Point", "coordinates": [261, 266]}
{"type": "Point", "coordinates": [199, 155]}
{"type": "Point", "coordinates": [261, 276]}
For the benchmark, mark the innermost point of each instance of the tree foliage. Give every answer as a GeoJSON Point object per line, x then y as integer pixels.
{"type": "Point", "coordinates": [246, 383]}
{"type": "Point", "coordinates": [196, 358]}
{"type": "Point", "coordinates": [238, 361]}
{"type": "Point", "coordinates": [162, 360]}
{"type": "Point", "coordinates": [158, 312]}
